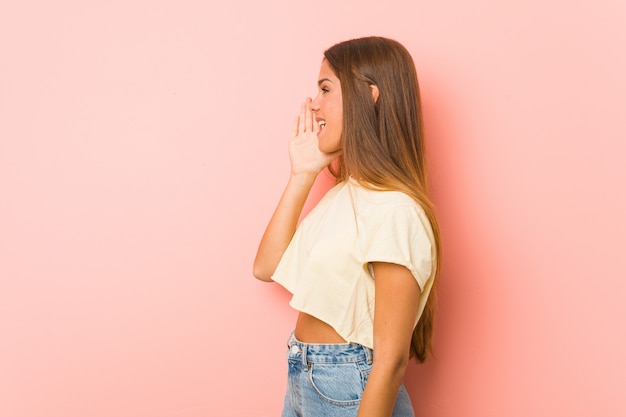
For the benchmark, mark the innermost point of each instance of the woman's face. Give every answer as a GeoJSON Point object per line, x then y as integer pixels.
{"type": "Point", "coordinates": [328, 109]}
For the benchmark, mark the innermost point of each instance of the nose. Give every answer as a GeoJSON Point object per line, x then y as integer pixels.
{"type": "Point", "coordinates": [315, 105]}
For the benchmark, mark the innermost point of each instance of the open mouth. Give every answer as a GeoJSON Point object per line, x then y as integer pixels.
{"type": "Point", "coordinates": [322, 124]}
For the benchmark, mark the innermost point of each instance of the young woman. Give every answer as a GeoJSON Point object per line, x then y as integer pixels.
{"type": "Point", "coordinates": [362, 264]}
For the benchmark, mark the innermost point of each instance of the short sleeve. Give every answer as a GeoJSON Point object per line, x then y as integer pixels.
{"type": "Point", "coordinates": [401, 235]}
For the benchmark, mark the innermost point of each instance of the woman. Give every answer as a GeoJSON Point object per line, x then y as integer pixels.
{"type": "Point", "coordinates": [362, 264]}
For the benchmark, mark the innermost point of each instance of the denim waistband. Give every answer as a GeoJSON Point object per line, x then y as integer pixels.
{"type": "Point", "coordinates": [328, 352]}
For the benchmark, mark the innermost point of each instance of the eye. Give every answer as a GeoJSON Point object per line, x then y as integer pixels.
{"type": "Point", "coordinates": [324, 90]}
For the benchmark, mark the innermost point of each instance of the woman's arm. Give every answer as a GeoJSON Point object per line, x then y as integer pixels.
{"type": "Point", "coordinates": [397, 297]}
{"type": "Point", "coordinates": [307, 161]}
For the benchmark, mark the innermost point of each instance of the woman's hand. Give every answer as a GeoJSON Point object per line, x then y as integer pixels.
{"type": "Point", "coordinates": [304, 152]}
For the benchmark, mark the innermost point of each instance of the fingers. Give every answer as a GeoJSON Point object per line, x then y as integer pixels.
{"type": "Point", "coordinates": [295, 126]}
{"type": "Point", "coordinates": [308, 125]}
{"type": "Point", "coordinates": [316, 125]}
{"type": "Point", "coordinates": [306, 121]}
{"type": "Point", "coordinates": [302, 119]}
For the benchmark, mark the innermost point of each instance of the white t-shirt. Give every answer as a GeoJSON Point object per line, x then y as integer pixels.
{"type": "Point", "coordinates": [326, 265]}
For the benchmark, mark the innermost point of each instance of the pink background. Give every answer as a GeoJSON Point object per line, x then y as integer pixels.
{"type": "Point", "coordinates": [143, 148]}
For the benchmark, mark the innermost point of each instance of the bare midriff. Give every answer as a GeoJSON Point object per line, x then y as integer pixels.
{"type": "Point", "coordinates": [310, 329]}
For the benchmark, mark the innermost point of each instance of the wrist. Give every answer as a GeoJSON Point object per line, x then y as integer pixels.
{"type": "Point", "coordinates": [304, 179]}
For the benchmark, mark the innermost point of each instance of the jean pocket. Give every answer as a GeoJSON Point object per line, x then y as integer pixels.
{"type": "Point", "coordinates": [338, 383]}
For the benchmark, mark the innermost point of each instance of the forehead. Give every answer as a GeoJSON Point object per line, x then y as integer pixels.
{"type": "Point", "coordinates": [327, 73]}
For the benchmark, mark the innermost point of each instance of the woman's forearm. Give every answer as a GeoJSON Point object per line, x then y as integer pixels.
{"type": "Point", "coordinates": [282, 225]}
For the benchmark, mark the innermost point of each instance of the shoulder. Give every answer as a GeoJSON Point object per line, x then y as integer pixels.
{"type": "Point", "coordinates": [370, 202]}
{"type": "Point", "coordinates": [391, 214]}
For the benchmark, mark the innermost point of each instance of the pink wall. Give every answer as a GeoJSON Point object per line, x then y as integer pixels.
{"type": "Point", "coordinates": [142, 150]}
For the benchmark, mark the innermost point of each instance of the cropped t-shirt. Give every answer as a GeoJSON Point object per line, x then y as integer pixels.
{"type": "Point", "coordinates": [327, 263]}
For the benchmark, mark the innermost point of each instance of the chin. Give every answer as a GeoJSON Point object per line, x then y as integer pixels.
{"type": "Point", "coordinates": [329, 149]}
{"type": "Point", "coordinates": [327, 146]}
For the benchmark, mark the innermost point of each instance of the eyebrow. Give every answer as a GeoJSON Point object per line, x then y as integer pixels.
{"type": "Point", "coordinates": [322, 80]}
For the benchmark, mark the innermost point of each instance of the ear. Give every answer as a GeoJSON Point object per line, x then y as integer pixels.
{"type": "Point", "coordinates": [375, 92]}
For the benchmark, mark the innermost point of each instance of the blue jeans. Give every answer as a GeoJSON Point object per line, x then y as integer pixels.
{"type": "Point", "coordinates": [327, 380]}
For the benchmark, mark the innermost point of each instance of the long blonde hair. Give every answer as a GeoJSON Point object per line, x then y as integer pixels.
{"type": "Point", "coordinates": [383, 139]}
